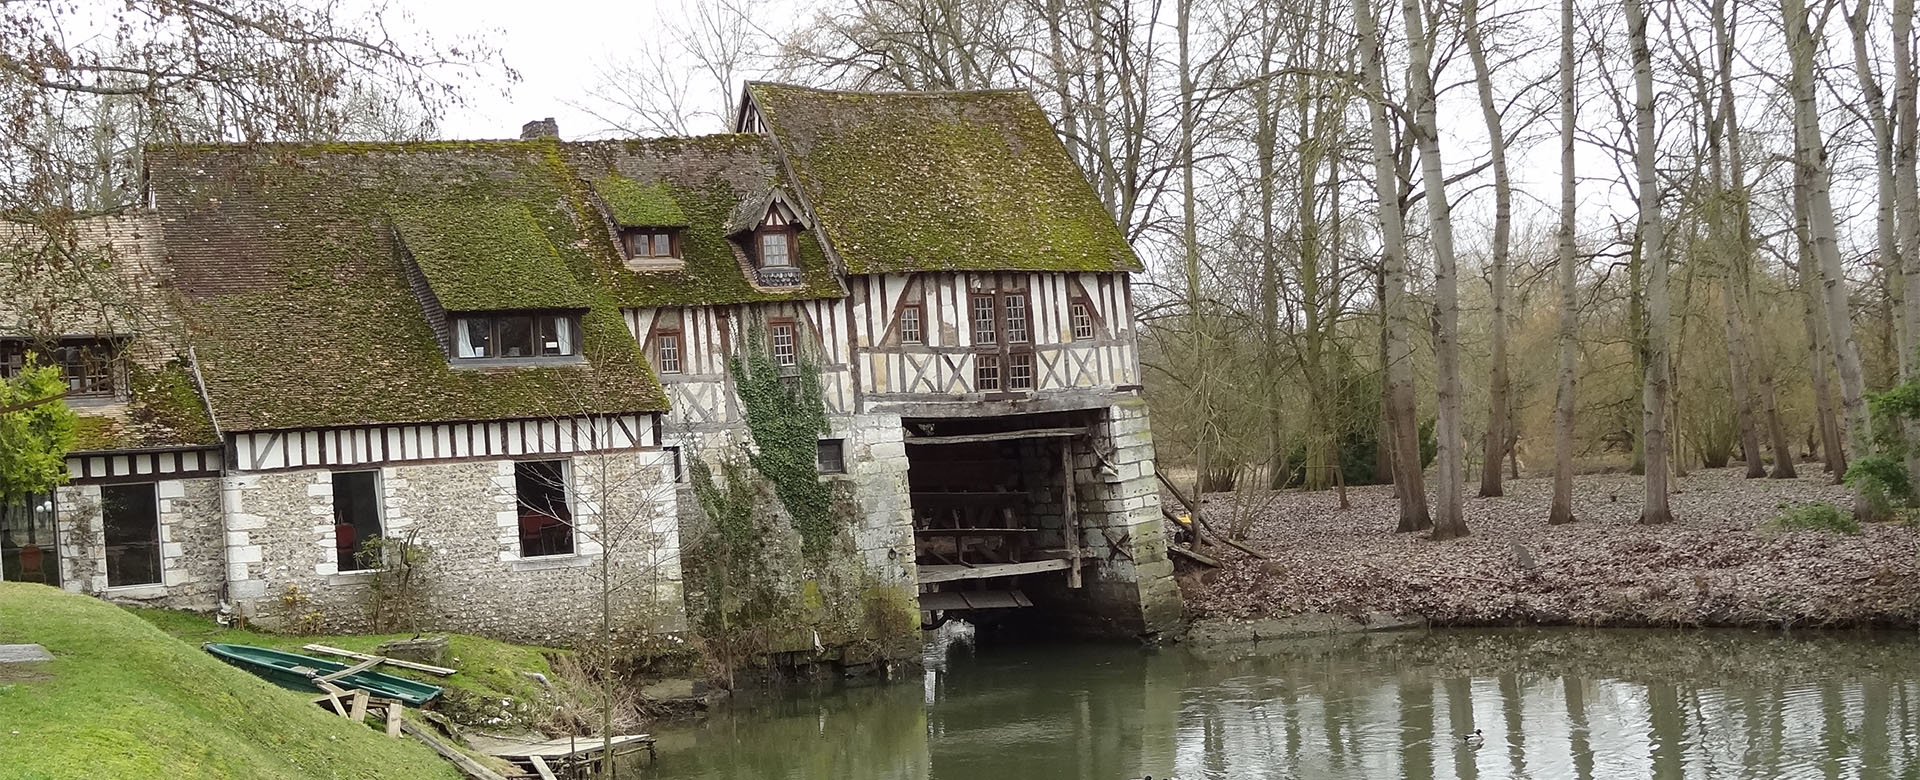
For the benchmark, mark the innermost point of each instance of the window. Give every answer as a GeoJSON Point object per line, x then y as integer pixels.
{"type": "Point", "coordinates": [830, 454]}
{"type": "Point", "coordinates": [780, 335]}
{"type": "Point", "coordinates": [776, 248]}
{"type": "Point", "coordinates": [1020, 371]}
{"type": "Point", "coordinates": [984, 322]}
{"type": "Point", "coordinates": [546, 519]}
{"type": "Point", "coordinates": [88, 365]}
{"type": "Point", "coordinates": [356, 518]}
{"type": "Point", "coordinates": [651, 243]}
{"type": "Point", "coordinates": [666, 352]}
{"type": "Point", "coordinates": [910, 324]}
{"type": "Point", "coordinates": [29, 551]}
{"type": "Point", "coordinates": [678, 474]}
{"type": "Point", "coordinates": [130, 517]}
{"type": "Point", "coordinates": [986, 372]}
{"type": "Point", "coordinates": [514, 336]}
{"type": "Point", "coordinates": [1082, 321]}
{"type": "Point", "coordinates": [1016, 306]}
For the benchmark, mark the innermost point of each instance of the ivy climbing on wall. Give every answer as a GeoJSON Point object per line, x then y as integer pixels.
{"type": "Point", "coordinates": [786, 416]}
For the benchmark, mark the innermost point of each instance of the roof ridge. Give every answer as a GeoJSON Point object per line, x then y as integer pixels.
{"type": "Point", "coordinates": [920, 93]}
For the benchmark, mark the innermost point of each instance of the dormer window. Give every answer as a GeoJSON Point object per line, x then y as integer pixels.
{"type": "Point", "coordinates": [651, 243]}
{"type": "Point", "coordinates": [776, 248]}
{"type": "Point", "coordinates": [515, 335]}
{"type": "Point", "coordinates": [90, 366]}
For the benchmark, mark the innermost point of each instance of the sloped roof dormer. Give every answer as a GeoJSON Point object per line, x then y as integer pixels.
{"type": "Point", "coordinates": [632, 204]}
{"type": "Point", "coordinates": [769, 206]}
{"type": "Point", "coordinates": [486, 256]}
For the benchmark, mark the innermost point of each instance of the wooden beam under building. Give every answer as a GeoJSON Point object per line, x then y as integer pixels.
{"type": "Point", "coordinates": [975, 438]}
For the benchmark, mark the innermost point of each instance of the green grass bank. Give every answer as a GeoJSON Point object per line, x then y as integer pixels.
{"type": "Point", "coordinates": [124, 699]}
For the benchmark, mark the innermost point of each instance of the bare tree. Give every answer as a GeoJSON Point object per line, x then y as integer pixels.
{"type": "Point", "coordinates": [1409, 482]}
{"type": "Point", "coordinates": [1653, 252]}
{"type": "Point", "coordinates": [687, 86]}
{"type": "Point", "coordinates": [1498, 415]}
{"type": "Point", "coordinates": [1565, 264]}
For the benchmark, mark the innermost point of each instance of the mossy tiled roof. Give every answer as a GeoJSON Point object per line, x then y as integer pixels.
{"type": "Point", "coordinates": [484, 255]}
{"type": "Point", "coordinates": [162, 409]}
{"type": "Point", "coordinates": [707, 177]}
{"type": "Point", "coordinates": [913, 181]}
{"type": "Point", "coordinates": [292, 289]}
{"type": "Point", "coordinates": [639, 205]}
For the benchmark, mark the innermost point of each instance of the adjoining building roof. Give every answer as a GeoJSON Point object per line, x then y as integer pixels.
{"type": "Point", "coordinates": [917, 181]}
{"type": "Point", "coordinates": [288, 267]}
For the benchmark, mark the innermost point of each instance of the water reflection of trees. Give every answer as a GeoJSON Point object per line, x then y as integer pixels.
{"type": "Point", "coordinates": [1573, 704]}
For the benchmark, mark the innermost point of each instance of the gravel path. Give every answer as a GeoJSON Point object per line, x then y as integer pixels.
{"type": "Point", "coordinates": [1716, 565]}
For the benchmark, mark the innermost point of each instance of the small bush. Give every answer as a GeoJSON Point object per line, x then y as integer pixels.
{"type": "Point", "coordinates": [1817, 516]}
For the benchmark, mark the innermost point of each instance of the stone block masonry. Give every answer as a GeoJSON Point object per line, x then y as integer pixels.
{"type": "Point", "coordinates": [190, 538]}
{"type": "Point", "coordinates": [476, 579]}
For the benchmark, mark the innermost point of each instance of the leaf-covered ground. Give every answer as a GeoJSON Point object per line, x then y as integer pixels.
{"type": "Point", "coordinates": [1717, 564]}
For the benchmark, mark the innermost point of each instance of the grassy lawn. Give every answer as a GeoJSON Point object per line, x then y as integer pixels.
{"type": "Point", "coordinates": [490, 671]}
{"type": "Point", "coordinates": [122, 699]}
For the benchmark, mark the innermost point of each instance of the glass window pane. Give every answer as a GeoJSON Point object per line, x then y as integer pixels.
{"type": "Point", "coordinates": [556, 336]}
{"type": "Point", "coordinates": [662, 245]}
{"type": "Point", "coordinates": [984, 331]}
{"type": "Point", "coordinates": [546, 521]}
{"type": "Point", "coordinates": [28, 549]}
{"type": "Point", "coordinates": [356, 518]}
{"type": "Point", "coordinates": [516, 337]}
{"type": "Point", "coordinates": [773, 250]}
{"type": "Point", "coordinates": [130, 518]}
{"type": "Point", "coordinates": [1016, 319]}
{"type": "Point", "coordinates": [910, 325]}
{"type": "Point", "coordinates": [781, 337]}
{"type": "Point", "coordinates": [473, 337]}
{"type": "Point", "coordinates": [667, 353]}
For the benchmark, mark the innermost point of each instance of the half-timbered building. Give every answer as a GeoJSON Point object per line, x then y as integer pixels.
{"type": "Point", "coordinates": [508, 353]}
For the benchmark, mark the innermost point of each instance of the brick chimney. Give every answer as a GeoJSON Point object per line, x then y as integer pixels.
{"type": "Point", "coordinates": [540, 128]}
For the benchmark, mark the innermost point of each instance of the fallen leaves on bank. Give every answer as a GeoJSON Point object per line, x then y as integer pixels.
{"type": "Point", "coordinates": [1717, 564]}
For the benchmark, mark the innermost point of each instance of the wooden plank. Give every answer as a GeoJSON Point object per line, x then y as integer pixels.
{"type": "Point", "coordinates": [937, 573]}
{"type": "Point", "coordinates": [354, 669]}
{"type": "Point", "coordinates": [472, 768]}
{"type": "Point", "coordinates": [540, 765]}
{"type": "Point", "coordinates": [1193, 556]}
{"type": "Point", "coordinates": [394, 711]}
{"type": "Point", "coordinates": [359, 707]}
{"type": "Point", "coordinates": [974, 438]}
{"type": "Point", "coordinates": [429, 669]}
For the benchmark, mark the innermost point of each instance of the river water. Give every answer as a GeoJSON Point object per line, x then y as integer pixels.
{"type": "Point", "coordinates": [1549, 703]}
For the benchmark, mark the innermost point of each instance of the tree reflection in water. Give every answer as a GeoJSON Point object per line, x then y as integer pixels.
{"type": "Point", "coordinates": [1550, 703]}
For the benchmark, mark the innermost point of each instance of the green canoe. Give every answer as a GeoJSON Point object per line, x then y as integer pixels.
{"type": "Point", "coordinates": [297, 672]}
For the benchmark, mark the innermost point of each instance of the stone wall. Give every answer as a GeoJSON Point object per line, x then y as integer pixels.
{"type": "Point", "coordinates": [190, 542]}
{"type": "Point", "coordinates": [464, 515]}
{"type": "Point", "coordinates": [859, 603]}
{"type": "Point", "coordinates": [1128, 586]}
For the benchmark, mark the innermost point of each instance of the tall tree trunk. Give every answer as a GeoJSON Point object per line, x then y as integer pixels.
{"type": "Point", "coordinates": [1266, 136]}
{"type": "Point", "coordinates": [1653, 421]}
{"type": "Point", "coordinates": [1450, 522]}
{"type": "Point", "coordinates": [1819, 354]}
{"type": "Point", "coordinates": [1906, 174]}
{"type": "Point", "coordinates": [1882, 127]}
{"type": "Point", "coordinates": [1497, 381]}
{"type": "Point", "coordinates": [1393, 267]}
{"type": "Point", "coordinates": [1562, 508]}
{"type": "Point", "coordinates": [1190, 246]}
{"type": "Point", "coordinates": [1810, 156]}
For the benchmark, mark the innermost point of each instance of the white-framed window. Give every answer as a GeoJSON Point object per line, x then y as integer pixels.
{"type": "Point", "coordinates": [1020, 371]}
{"type": "Point", "coordinates": [546, 510]}
{"type": "Point", "coordinates": [910, 324]}
{"type": "Point", "coordinates": [666, 352]}
{"type": "Point", "coordinates": [984, 321]}
{"type": "Point", "coordinates": [1016, 306]}
{"type": "Point", "coordinates": [986, 372]}
{"type": "Point", "coordinates": [651, 243]}
{"type": "Point", "coordinates": [1082, 321]}
{"type": "Point", "coordinates": [130, 523]}
{"type": "Point", "coordinates": [780, 337]}
{"type": "Point", "coordinates": [776, 248]}
{"type": "Point", "coordinates": [514, 335]}
{"type": "Point", "coordinates": [356, 518]}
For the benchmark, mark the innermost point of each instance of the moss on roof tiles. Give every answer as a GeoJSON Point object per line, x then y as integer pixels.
{"type": "Point", "coordinates": [162, 409]}
{"type": "Point", "coordinates": [296, 300]}
{"type": "Point", "coordinates": [639, 205]}
{"type": "Point", "coordinates": [941, 181]}
{"type": "Point", "coordinates": [481, 255]}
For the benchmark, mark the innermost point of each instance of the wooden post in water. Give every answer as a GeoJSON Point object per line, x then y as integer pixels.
{"type": "Point", "coordinates": [1069, 507]}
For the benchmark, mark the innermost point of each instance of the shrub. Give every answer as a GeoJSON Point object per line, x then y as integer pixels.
{"type": "Point", "coordinates": [1817, 516]}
